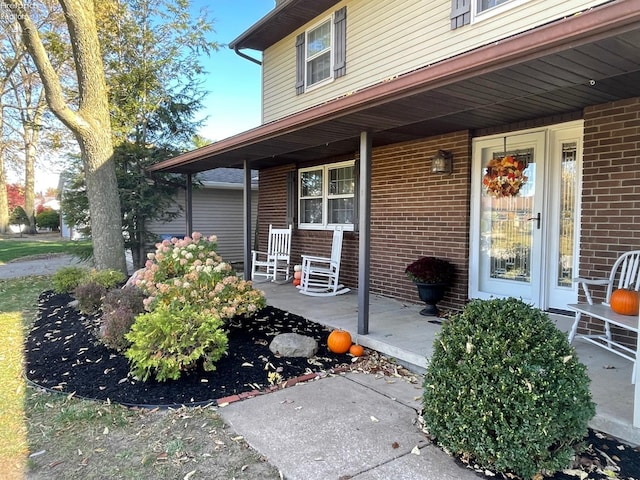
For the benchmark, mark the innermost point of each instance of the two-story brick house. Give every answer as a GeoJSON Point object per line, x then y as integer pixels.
{"type": "Point", "coordinates": [360, 95]}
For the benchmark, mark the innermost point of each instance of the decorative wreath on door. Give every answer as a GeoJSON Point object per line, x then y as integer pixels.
{"type": "Point", "coordinates": [504, 176]}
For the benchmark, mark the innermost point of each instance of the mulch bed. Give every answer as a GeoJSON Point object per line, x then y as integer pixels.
{"type": "Point", "coordinates": [62, 354]}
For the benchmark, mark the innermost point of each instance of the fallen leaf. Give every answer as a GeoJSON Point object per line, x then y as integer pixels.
{"type": "Point", "coordinates": [105, 431]}
{"type": "Point", "coordinates": [189, 475]}
{"type": "Point", "coordinates": [395, 445]}
{"type": "Point", "coordinates": [576, 473]}
{"type": "Point", "coordinates": [415, 450]}
{"type": "Point", "coordinates": [374, 419]}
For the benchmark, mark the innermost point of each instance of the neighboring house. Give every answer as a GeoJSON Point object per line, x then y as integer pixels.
{"type": "Point", "coordinates": [358, 96]}
{"type": "Point", "coordinates": [217, 209]}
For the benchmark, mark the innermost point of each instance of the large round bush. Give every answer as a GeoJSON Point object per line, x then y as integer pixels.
{"type": "Point", "coordinates": [504, 389]}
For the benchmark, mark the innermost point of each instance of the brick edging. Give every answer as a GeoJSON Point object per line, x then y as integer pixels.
{"type": "Point", "coordinates": [224, 401]}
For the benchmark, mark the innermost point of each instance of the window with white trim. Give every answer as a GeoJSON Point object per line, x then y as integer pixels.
{"type": "Point", "coordinates": [321, 52]}
{"type": "Point", "coordinates": [318, 54]}
{"type": "Point", "coordinates": [484, 5]}
{"type": "Point", "coordinates": [327, 196]}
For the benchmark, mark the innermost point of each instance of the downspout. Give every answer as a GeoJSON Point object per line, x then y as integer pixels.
{"type": "Point", "coordinates": [244, 55]}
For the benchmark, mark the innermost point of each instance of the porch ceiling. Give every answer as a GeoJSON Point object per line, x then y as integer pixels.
{"type": "Point", "coordinates": [556, 70]}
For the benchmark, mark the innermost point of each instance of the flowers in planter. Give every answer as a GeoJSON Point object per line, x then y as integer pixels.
{"type": "Point", "coordinates": [430, 270]}
{"type": "Point", "coordinates": [504, 177]}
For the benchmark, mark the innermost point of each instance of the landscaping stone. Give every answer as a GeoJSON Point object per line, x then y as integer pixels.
{"type": "Point", "coordinates": [293, 345]}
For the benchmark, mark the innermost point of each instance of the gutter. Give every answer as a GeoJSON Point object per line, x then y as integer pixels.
{"type": "Point", "coordinates": [244, 55]}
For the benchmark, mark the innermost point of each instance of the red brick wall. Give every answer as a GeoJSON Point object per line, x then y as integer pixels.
{"type": "Point", "coordinates": [414, 213]}
{"type": "Point", "coordinates": [610, 223]}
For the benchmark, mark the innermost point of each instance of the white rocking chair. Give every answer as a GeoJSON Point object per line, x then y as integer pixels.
{"type": "Point", "coordinates": [275, 261]}
{"type": "Point", "coordinates": [320, 274]}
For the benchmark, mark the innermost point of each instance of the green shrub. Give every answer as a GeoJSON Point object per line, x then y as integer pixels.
{"type": "Point", "coordinates": [505, 389]}
{"type": "Point", "coordinates": [107, 278]}
{"type": "Point", "coordinates": [67, 279]}
{"type": "Point", "coordinates": [48, 218]}
{"type": "Point", "coordinates": [18, 216]}
{"type": "Point", "coordinates": [174, 339]}
{"type": "Point", "coordinates": [89, 295]}
{"type": "Point", "coordinates": [120, 308]}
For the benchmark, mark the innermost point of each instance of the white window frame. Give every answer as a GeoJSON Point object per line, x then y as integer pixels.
{"type": "Point", "coordinates": [307, 59]}
{"type": "Point", "coordinates": [479, 15]}
{"type": "Point", "coordinates": [325, 197]}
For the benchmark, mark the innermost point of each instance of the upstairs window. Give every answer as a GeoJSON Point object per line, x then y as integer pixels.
{"type": "Point", "coordinates": [327, 196]}
{"type": "Point", "coordinates": [318, 54]}
{"type": "Point", "coordinates": [484, 5]}
{"type": "Point", "coordinates": [321, 52]}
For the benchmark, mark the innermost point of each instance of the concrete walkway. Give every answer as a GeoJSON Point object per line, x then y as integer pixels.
{"type": "Point", "coordinates": [358, 426]}
{"type": "Point", "coordinates": [43, 265]}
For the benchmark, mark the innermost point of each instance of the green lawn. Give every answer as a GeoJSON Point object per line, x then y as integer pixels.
{"type": "Point", "coordinates": [18, 300]}
{"type": "Point", "coordinates": [12, 249]}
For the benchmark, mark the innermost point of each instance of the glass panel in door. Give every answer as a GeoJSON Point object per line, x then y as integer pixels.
{"type": "Point", "coordinates": [563, 180]}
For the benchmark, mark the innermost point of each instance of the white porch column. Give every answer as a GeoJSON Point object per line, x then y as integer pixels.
{"type": "Point", "coordinates": [364, 232]}
{"type": "Point", "coordinates": [246, 193]}
{"type": "Point", "coordinates": [636, 396]}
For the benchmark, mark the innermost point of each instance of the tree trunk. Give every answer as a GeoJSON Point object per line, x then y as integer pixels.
{"type": "Point", "coordinates": [4, 201]}
{"type": "Point", "coordinates": [29, 184]}
{"type": "Point", "coordinates": [104, 202]}
{"type": "Point", "coordinates": [90, 123]}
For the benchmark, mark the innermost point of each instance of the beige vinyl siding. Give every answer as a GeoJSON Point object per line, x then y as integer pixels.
{"type": "Point", "coordinates": [216, 211]}
{"type": "Point", "coordinates": [390, 38]}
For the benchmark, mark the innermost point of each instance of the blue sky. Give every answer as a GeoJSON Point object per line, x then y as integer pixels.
{"type": "Point", "coordinates": [233, 104]}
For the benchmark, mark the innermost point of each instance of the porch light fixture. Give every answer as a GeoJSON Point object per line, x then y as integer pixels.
{"type": "Point", "coordinates": [441, 162]}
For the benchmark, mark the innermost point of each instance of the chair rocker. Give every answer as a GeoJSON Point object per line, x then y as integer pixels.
{"type": "Point", "coordinates": [625, 273]}
{"type": "Point", "coordinates": [275, 262]}
{"type": "Point", "coordinates": [320, 274]}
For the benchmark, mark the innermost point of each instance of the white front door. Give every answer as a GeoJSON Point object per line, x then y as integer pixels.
{"type": "Point", "coordinates": [523, 216]}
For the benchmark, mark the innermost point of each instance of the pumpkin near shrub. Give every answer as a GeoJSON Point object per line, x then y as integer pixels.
{"type": "Point", "coordinates": [339, 341]}
{"type": "Point", "coordinates": [625, 302]}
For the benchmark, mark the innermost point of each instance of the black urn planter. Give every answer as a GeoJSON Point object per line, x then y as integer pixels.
{"type": "Point", "coordinates": [431, 294]}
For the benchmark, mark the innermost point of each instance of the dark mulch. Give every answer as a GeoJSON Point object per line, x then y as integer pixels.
{"type": "Point", "coordinates": [62, 354]}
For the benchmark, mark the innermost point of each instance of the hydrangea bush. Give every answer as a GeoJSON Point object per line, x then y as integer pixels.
{"type": "Point", "coordinates": [190, 271]}
{"type": "Point", "coordinates": [190, 292]}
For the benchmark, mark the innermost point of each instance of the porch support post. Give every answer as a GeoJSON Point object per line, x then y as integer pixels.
{"type": "Point", "coordinates": [189, 204]}
{"type": "Point", "coordinates": [636, 387]}
{"type": "Point", "coordinates": [364, 231]}
{"type": "Point", "coordinates": [246, 192]}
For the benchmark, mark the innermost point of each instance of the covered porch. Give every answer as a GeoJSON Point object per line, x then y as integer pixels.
{"type": "Point", "coordinates": [397, 330]}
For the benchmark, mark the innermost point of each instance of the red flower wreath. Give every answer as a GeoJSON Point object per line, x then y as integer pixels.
{"type": "Point", "coordinates": [504, 177]}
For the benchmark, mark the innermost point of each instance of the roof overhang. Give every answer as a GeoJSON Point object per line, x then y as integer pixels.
{"type": "Point", "coordinates": [554, 70]}
{"type": "Point", "coordinates": [285, 18]}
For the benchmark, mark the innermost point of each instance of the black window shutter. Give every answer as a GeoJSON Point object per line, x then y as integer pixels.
{"type": "Point", "coordinates": [292, 198]}
{"type": "Point", "coordinates": [300, 63]}
{"type": "Point", "coordinates": [460, 13]}
{"type": "Point", "coordinates": [340, 42]}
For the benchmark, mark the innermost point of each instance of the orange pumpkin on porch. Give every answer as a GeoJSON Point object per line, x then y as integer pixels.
{"type": "Point", "coordinates": [356, 350]}
{"type": "Point", "coordinates": [339, 341]}
{"type": "Point", "coordinates": [625, 302]}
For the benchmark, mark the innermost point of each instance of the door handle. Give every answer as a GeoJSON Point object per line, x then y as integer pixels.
{"type": "Point", "coordinates": [537, 219]}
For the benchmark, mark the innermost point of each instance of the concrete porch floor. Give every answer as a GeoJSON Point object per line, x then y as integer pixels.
{"type": "Point", "coordinates": [396, 329]}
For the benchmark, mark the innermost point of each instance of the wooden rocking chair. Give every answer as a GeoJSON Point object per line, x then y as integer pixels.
{"type": "Point", "coordinates": [275, 261]}
{"type": "Point", "coordinates": [320, 274]}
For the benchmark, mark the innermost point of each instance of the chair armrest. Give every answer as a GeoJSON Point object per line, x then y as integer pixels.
{"type": "Point", "coordinates": [255, 253]}
{"type": "Point", "coordinates": [585, 282]}
{"type": "Point", "coordinates": [315, 259]}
